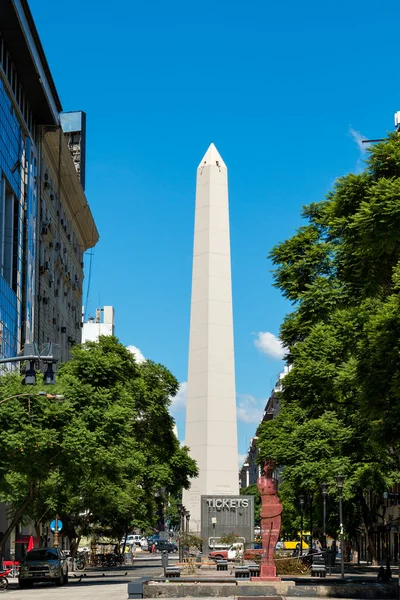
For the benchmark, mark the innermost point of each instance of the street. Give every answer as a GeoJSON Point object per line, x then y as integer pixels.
{"type": "Point", "coordinates": [91, 584]}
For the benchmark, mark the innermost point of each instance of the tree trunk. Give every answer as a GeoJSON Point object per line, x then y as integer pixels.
{"type": "Point", "coordinates": [74, 545]}
{"type": "Point", "coordinates": [367, 518]}
{"type": "Point", "coordinates": [123, 547]}
{"type": "Point", "coordinates": [16, 518]}
{"type": "Point", "coordinates": [37, 531]}
{"type": "Point", "coordinates": [358, 550]}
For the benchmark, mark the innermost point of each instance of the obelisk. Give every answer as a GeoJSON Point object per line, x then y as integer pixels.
{"type": "Point", "coordinates": [211, 428]}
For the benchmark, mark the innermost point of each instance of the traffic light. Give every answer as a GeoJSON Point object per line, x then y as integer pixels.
{"type": "Point", "coordinates": [30, 373]}
{"type": "Point", "coordinates": [49, 377]}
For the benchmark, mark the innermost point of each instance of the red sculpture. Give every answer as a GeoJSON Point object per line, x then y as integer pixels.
{"type": "Point", "coordinates": [271, 511]}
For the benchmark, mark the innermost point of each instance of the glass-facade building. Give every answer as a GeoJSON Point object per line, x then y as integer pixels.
{"type": "Point", "coordinates": [11, 225]}
{"type": "Point", "coordinates": [18, 208]}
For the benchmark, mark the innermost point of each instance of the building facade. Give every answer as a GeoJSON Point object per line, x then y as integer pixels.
{"type": "Point", "coordinates": [251, 470]}
{"type": "Point", "coordinates": [45, 220]}
{"type": "Point", "coordinates": [101, 324]}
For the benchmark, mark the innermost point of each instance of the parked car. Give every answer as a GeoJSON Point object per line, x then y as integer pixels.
{"type": "Point", "coordinates": [165, 545]}
{"type": "Point", "coordinates": [43, 564]}
{"type": "Point", "coordinates": [132, 539]}
{"type": "Point", "coordinates": [237, 551]}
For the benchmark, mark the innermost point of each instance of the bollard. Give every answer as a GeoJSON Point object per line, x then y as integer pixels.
{"type": "Point", "coordinates": [164, 559]}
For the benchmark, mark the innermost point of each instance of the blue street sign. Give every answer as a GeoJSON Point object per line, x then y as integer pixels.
{"type": "Point", "coordinates": [53, 525]}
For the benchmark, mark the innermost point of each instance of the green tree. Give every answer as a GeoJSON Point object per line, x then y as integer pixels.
{"type": "Point", "coordinates": [252, 490]}
{"type": "Point", "coordinates": [30, 445]}
{"type": "Point", "coordinates": [341, 399]}
{"type": "Point", "coordinates": [101, 457]}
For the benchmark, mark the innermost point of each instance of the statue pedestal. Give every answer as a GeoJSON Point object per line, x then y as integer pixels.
{"type": "Point", "coordinates": [267, 573]}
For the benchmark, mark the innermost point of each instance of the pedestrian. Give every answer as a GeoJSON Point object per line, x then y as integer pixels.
{"type": "Point", "coordinates": [153, 547]}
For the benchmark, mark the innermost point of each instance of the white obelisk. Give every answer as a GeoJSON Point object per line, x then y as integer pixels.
{"type": "Point", "coordinates": [211, 428]}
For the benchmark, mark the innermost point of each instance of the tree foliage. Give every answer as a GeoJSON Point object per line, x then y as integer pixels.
{"type": "Point", "coordinates": [104, 454]}
{"type": "Point", "coordinates": [340, 404]}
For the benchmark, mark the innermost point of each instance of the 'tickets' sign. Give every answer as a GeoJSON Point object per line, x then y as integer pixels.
{"type": "Point", "coordinates": [227, 503]}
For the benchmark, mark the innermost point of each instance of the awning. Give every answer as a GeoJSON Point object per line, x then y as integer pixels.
{"type": "Point", "coordinates": [27, 539]}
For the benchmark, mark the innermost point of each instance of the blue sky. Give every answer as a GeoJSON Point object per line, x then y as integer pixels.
{"type": "Point", "coordinates": [285, 90]}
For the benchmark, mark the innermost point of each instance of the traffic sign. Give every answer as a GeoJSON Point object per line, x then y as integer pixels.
{"type": "Point", "coordinates": [53, 525]}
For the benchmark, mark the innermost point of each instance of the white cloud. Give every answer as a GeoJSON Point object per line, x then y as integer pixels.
{"type": "Point", "coordinates": [249, 409]}
{"type": "Point", "coordinates": [359, 138]}
{"type": "Point", "coordinates": [241, 459]}
{"type": "Point", "coordinates": [269, 344]}
{"type": "Point", "coordinates": [139, 357]}
{"type": "Point", "coordinates": [179, 401]}
{"type": "Point", "coordinates": [362, 147]}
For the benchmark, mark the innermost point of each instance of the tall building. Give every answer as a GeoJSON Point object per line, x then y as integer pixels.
{"type": "Point", "coordinates": [211, 427]}
{"type": "Point", "coordinates": [251, 470]}
{"type": "Point", "coordinates": [101, 324]}
{"type": "Point", "coordinates": [45, 220]}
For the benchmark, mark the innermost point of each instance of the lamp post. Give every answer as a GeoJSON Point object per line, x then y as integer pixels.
{"type": "Point", "coordinates": [187, 516]}
{"type": "Point", "coordinates": [181, 511]}
{"type": "Point", "coordinates": [214, 523]}
{"type": "Point", "coordinates": [324, 489]}
{"type": "Point", "coordinates": [301, 500]}
{"type": "Point", "coordinates": [310, 498]}
{"type": "Point", "coordinates": [339, 481]}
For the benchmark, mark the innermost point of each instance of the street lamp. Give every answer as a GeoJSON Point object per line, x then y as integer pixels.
{"type": "Point", "coordinates": [214, 523]}
{"type": "Point", "coordinates": [324, 489]}
{"type": "Point", "coordinates": [181, 511]}
{"type": "Point", "coordinates": [301, 500]}
{"type": "Point", "coordinates": [56, 397]}
{"type": "Point", "coordinates": [339, 481]}
{"type": "Point", "coordinates": [310, 498]}
{"type": "Point", "coordinates": [187, 515]}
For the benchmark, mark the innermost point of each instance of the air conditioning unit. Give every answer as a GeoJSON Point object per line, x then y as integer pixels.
{"type": "Point", "coordinates": [45, 300]}
{"type": "Point", "coordinates": [45, 229]}
{"type": "Point", "coordinates": [69, 236]}
{"type": "Point", "coordinates": [63, 330]}
{"type": "Point", "coordinates": [51, 244]}
{"type": "Point", "coordinates": [62, 221]}
{"type": "Point", "coordinates": [77, 325]}
{"type": "Point", "coordinates": [58, 245]}
{"type": "Point", "coordinates": [56, 293]}
{"type": "Point", "coordinates": [46, 185]}
{"type": "Point", "coordinates": [54, 321]}
{"type": "Point", "coordinates": [42, 269]}
{"type": "Point", "coordinates": [82, 264]}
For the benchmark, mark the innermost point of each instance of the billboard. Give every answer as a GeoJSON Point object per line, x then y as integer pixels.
{"type": "Point", "coordinates": [223, 515]}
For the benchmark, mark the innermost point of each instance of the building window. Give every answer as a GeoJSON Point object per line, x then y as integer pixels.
{"type": "Point", "coordinates": [8, 234]}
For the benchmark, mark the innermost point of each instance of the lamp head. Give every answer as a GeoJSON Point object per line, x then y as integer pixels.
{"type": "Point", "coordinates": [324, 489]}
{"type": "Point", "coordinates": [339, 481]}
{"type": "Point", "coordinates": [301, 500]}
